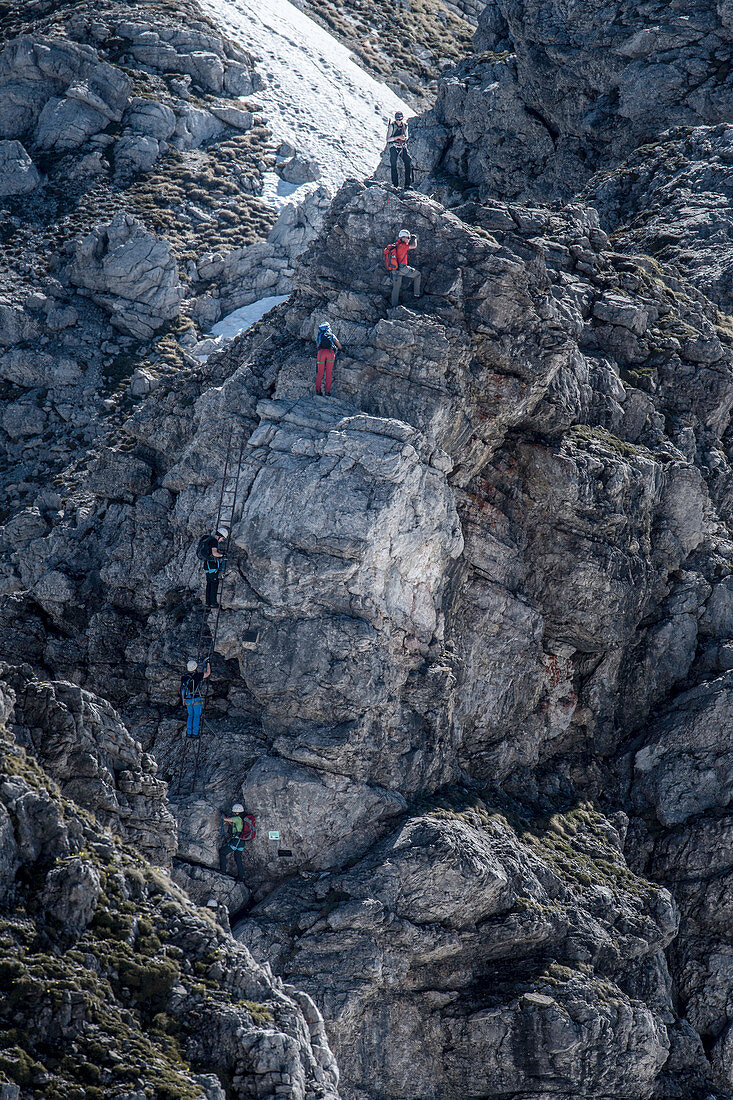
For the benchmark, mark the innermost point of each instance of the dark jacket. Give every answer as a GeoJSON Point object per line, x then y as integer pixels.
{"type": "Point", "coordinates": [191, 683]}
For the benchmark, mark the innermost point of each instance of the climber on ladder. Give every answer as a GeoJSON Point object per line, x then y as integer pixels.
{"type": "Point", "coordinates": [235, 831]}
{"type": "Point", "coordinates": [211, 552]}
{"type": "Point", "coordinates": [192, 695]}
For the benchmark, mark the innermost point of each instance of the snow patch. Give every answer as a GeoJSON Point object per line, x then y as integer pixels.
{"type": "Point", "coordinates": [234, 324]}
{"type": "Point", "coordinates": [317, 98]}
{"type": "Point", "coordinates": [279, 193]}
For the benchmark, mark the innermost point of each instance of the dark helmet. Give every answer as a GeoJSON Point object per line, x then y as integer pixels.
{"type": "Point", "coordinates": [398, 116]}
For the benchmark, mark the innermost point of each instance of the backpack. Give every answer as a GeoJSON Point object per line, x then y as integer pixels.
{"type": "Point", "coordinates": [325, 340]}
{"type": "Point", "coordinates": [390, 257]}
{"type": "Point", "coordinates": [249, 832]}
{"type": "Point", "coordinates": [189, 691]}
{"type": "Point", "coordinates": [203, 549]}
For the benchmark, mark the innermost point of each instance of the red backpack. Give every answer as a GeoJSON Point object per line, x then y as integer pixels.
{"type": "Point", "coordinates": [390, 257]}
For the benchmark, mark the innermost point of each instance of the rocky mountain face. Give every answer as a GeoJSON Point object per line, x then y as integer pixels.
{"type": "Point", "coordinates": [472, 670]}
{"type": "Point", "coordinates": [406, 45]}
{"type": "Point", "coordinates": [132, 162]}
{"type": "Point", "coordinates": [115, 984]}
{"type": "Point", "coordinates": [554, 93]}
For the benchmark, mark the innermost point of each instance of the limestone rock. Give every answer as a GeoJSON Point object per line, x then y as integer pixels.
{"type": "Point", "coordinates": [300, 168]}
{"type": "Point", "coordinates": [411, 919]}
{"type": "Point", "coordinates": [673, 199]}
{"type": "Point", "coordinates": [120, 476]}
{"type": "Point", "coordinates": [131, 273]}
{"type": "Point", "coordinates": [151, 118]}
{"type": "Point", "coordinates": [135, 153]}
{"type": "Point", "coordinates": [71, 894]}
{"type": "Point", "coordinates": [549, 99]}
{"type": "Point", "coordinates": [66, 124]}
{"type": "Point", "coordinates": [152, 949]}
{"type": "Point", "coordinates": [59, 88]}
{"type": "Point", "coordinates": [233, 116]}
{"type": "Point", "coordinates": [194, 126]}
{"type": "Point", "coordinates": [83, 744]}
{"type": "Point", "coordinates": [18, 174]}
{"type": "Point", "coordinates": [684, 768]}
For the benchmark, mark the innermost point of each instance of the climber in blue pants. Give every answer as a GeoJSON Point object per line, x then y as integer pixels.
{"type": "Point", "coordinates": [192, 696]}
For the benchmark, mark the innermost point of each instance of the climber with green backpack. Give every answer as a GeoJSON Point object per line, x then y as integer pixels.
{"type": "Point", "coordinates": [395, 258]}
{"type": "Point", "coordinates": [235, 832]}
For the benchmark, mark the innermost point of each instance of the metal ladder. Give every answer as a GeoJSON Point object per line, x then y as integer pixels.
{"type": "Point", "coordinates": [227, 505]}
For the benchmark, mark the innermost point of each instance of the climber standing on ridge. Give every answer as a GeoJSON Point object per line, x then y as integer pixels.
{"type": "Point", "coordinates": [328, 348]}
{"type": "Point", "coordinates": [211, 550]}
{"type": "Point", "coordinates": [192, 696]}
{"type": "Point", "coordinates": [397, 136]}
{"type": "Point", "coordinates": [235, 830]}
{"type": "Point", "coordinates": [395, 257]}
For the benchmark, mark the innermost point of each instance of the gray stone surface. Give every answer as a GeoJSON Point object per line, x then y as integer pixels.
{"type": "Point", "coordinates": [18, 174]}
{"type": "Point", "coordinates": [494, 546]}
{"type": "Point", "coordinates": [130, 273]}
{"type": "Point", "coordinates": [549, 98]}
{"type": "Point", "coordinates": [81, 741]}
{"type": "Point", "coordinates": [672, 201]}
{"type": "Point", "coordinates": [300, 168]}
{"type": "Point", "coordinates": [86, 891]}
{"type": "Point", "coordinates": [478, 602]}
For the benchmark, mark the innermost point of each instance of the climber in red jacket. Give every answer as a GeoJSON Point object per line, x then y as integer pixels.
{"type": "Point", "coordinates": [395, 257]}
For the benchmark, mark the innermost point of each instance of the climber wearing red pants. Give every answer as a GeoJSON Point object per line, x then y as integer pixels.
{"type": "Point", "coordinates": [328, 346]}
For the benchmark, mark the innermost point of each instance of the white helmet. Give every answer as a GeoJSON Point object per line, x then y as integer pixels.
{"type": "Point", "coordinates": [404, 233]}
{"type": "Point", "coordinates": [191, 665]}
{"type": "Point", "coordinates": [212, 903]}
{"type": "Point", "coordinates": [223, 532]}
{"type": "Point", "coordinates": [238, 808]}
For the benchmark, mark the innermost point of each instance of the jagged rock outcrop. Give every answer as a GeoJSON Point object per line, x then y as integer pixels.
{"type": "Point", "coordinates": [671, 200]}
{"type": "Point", "coordinates": [492, 551]}
{"type": "Point", "coordinates": [549, 98]}
{"type": "Point", "coordinates": [18, 173]}
{"type": "Point", "coordinates": [100, 108]}
{"type": "Point", "coordinates": [81, 742]}
{"type": "Point", "coordinates": [115, 984]}
{"type": "Point", "coordinates": [478, 607]}
{"type": "Point", "coordinates": [498, 955]}
{"type": "Point", "coordinates": [130, 273]}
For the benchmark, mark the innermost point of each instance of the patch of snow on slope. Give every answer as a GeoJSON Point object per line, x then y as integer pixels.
{"type": "Point", "coordinates": [279, 193]}
{"type": "Point", "coordinates": [235, 323]}
{"type": "Point", "coordinates": [317, 98]}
